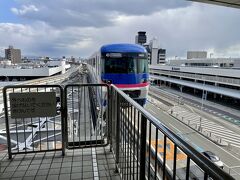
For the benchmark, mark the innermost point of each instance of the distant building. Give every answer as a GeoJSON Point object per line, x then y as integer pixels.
{"type": "Point", "coordinates": [156, 55]}
{"type": "Point", "coordinates": [196, 54]}
{"type": "Point", "coordinates": [153, 45]}
{"type": "Point", "coordinates": [73, 60]}
{"type": "Point", "coordinates": [207, 62]}
{"type": "Point", "coordinates": [14, 55]}
{"type": "Point", "coordinates": [161, 56]}
{"type": "Point", "coordinates": [141, 38]}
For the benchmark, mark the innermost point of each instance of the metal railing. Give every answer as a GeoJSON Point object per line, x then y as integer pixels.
{"type": "Point", "coordinates": [142, 146]}
{"type": "Point", "coordinates": [80, 121]}
{"type": "Point", "coordinates": [33, 134]}
{"type": "Point", "coordinates": [86, 115]}
{"type": "Point", "coordinates": [145, 149]}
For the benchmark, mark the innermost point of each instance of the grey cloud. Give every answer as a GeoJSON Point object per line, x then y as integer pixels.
{"type": "Point", "coordinates": [40, 39]}
{"type": "Point", "coordinates": [94, 13]}
{"type": "Point", "coordinates": [195, 27]}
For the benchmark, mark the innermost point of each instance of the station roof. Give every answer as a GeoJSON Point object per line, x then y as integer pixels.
{"type": "Point", "coordinates": [228, 3]}
{"type": "Point", "coordinates": [209, 88]}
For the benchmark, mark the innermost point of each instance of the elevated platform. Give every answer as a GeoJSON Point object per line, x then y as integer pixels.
{"type": "Point", "coordinates": [89, 163]}
{"type": "Point", "coordinates": [128, 139]}
{"type": "Point", "coordinates": [209, 88]}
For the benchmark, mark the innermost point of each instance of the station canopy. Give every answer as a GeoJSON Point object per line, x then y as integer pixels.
{"type": "Point", "coordinates": [228, 3]}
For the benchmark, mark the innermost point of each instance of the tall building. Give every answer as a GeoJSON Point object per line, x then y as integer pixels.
{"type": "Point", "coordinates": [141, 38]}
{"type": "Point", "coordinates": [161, 56]}
{"type": "Point", "coordinates": [14, 55]}
{"type": "Point", "coordinates": [153, 45]}
{"type": "Point", "coordinates": [156, 55]}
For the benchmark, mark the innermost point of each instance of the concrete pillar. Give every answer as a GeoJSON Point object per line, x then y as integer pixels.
{"type": "Point", "coordinates": [214, 94]}
{"type": "Point", "coordinates": [63, 64]}
{"type": "Point", "coordinates": [181, 88]}
{"type": "Point", "coordinates": [194, 90]}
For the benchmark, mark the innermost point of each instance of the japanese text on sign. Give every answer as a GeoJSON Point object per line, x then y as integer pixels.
{"type": "Point", "coordinates": [33, 104]}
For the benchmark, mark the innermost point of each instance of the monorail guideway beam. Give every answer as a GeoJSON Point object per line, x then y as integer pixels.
{"type": "Point", "coordinates": [98, 98]}
{"type": "Point", "coordinates": [98, 101]}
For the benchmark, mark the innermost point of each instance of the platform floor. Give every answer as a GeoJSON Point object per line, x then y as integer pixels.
{"type": "Point", "coordinates": [90, 163]}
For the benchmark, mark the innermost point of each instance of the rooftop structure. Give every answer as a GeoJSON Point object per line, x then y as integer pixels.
{"type": "Point", "coordinates": [141, 37]}
{"type": "Point", "coordinates": [196, 54]}
{"type": "Point", "coordinates": [31, 70]}
{"type": "Point", "coordinates": [207, 62]}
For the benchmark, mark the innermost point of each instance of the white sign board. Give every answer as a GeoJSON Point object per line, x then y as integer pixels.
{"type": "Point", "coordinates": [32, 104]}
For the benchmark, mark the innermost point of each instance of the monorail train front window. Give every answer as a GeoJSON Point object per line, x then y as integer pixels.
{"type": "Point", "coordinates": [120, 65]}
{"type": "Point", "coordinates": [126, 65]}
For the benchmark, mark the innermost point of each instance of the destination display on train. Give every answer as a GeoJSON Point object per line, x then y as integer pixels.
{"type": "Point", "coordinates": [32, 104]}
{"type": "Point", "coordinates": [114, 55]}
{"type": "Point", "coordinates": [120, 55]}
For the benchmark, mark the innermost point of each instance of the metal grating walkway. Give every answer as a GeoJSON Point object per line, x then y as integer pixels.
{"type": "Point", "coordinates": [90, 163]}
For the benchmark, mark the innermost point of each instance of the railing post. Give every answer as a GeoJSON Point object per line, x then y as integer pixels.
{"type": "Point", "coordinates": [110, 117]}
{"type": "Point", "coordinates": [7, 123]}
{"type": "Point", "coordinates": [143, 147]}
{"type": "Point", "coordinates": [117, 131]}
{"type": "Point", "coordinates": [188, 168]}
{"type": "Point", "coordinates": [64, 121]}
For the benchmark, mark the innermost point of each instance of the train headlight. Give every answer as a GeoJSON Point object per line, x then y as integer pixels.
{"type": "Point", "coordinates": [107, 81]}
{"type": "Point", "coordinates": [144, 81]}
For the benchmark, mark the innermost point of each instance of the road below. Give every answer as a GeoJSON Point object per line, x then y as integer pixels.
{"type": "Point", "coordinates": [198, 141]}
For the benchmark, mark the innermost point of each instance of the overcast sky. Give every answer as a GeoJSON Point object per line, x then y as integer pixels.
{"type": "Point", "coordinates": [79, 27]}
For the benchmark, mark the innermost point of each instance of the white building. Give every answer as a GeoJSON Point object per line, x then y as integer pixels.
{"type": "Point", "coordinates": [31, 70]}
{"type": "Point", "coordinates": [207, 62]}
{"type": "Point", "coordinates": [156, 55]}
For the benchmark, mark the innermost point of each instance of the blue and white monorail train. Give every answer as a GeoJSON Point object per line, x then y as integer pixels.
{"type": "Point", "coordinates": [125, 66]}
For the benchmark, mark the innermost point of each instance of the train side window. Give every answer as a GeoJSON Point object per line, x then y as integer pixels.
{"type": "Point", "coordinates": [132, 66]}
{"type": "Point", "coordinates": [142, 66]}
